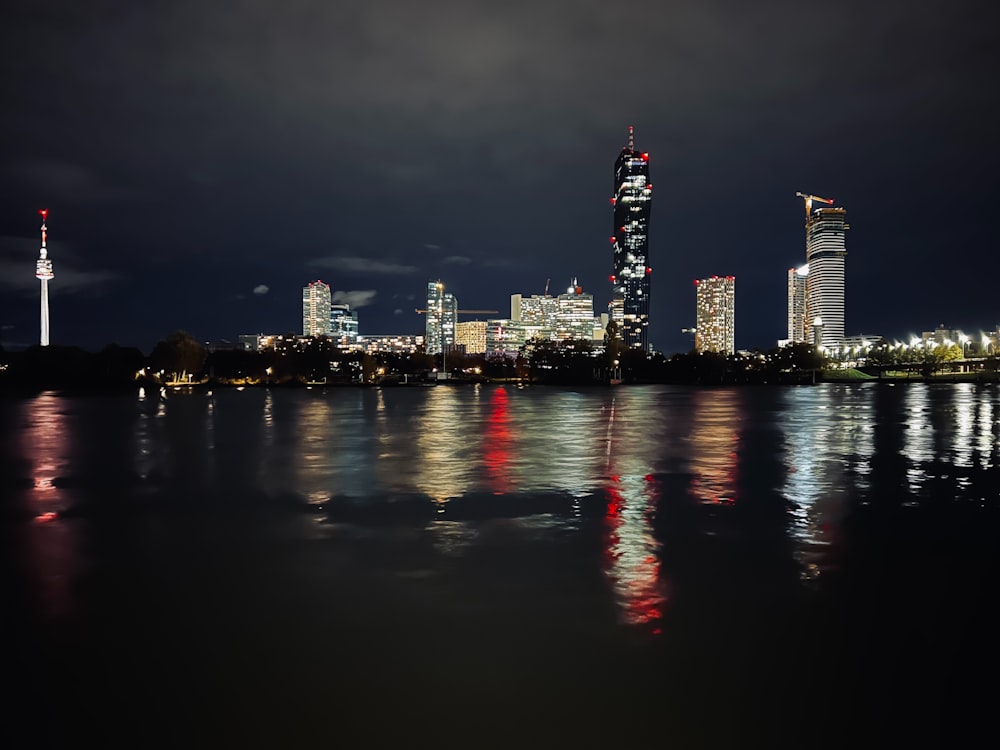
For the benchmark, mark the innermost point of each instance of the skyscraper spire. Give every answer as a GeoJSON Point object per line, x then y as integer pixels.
{"type": "Point", "coordinates": [43, 272]}
{"type": "Point", "coordinates": [631, 141]}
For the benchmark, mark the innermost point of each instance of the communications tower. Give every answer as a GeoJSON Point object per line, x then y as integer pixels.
{"type": "Point", "coordinates": [43, 272]}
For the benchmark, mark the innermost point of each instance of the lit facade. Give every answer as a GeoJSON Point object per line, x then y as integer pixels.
{"type": "Point", "coordinates": [390, 343]}
{"type": "Point", "coordinates": [505, 336]}
{"type": "Point", "coordinates": [537, 311]}
{"type": "Point", "coordinates": [575, 314]}
{"type": "Point", "coordinates": [316, 309]}
{"type": "Point", "coordinates": [826, 230]}
{"type": "Point", "coordinates": [630, 279]}
{"type": "Point", "coordinates": [343, 325]}
{"type": "Point", "coordinates": [797, 304]}
{"type": "Point", "coordinates": [472, 335]}
{"type": "Point", "coordinates": [442, 317]}
{"type": "Point", "coordinates": [715, 326]}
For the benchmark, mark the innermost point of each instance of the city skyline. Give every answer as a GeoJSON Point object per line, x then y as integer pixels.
{"type": "Point", "coordinates": [387, 146]}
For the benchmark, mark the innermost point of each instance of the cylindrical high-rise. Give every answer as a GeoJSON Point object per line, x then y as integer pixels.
{"type": "Point", "coordinates": [631, 200]}
{"type": "Point", "coordinates": [43, 272]}
{"type": "Point", "coordinates": [825, 253]}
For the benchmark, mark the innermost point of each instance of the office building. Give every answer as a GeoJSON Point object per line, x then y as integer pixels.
{"type": "Point", "coordinates": [442, 316]}
{"type": "Point", "coordinates": [825, 253]}
{"type": "Point", "coordinates": [630, 279]}
{"type": "Point", "coordinates": [391, 343]}
{"type": "Point", "coordinates": [505, 337]}
{"type": "Point", "coordinates": [316, 309]}
{"type": "Point", "coordinates": [575, 314]}
{"type": "Point", "coordinates": [715, 324]}
{"type": "Point", "coordinates": [797, 304]}
{"type": "Point", "coordinates": [344, 326]}
{"type": "Point", "coordinates": [471, 335]}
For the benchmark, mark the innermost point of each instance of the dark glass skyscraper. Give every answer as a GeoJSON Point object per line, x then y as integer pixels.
{"type": "Point", "coordinates": [631, 201]}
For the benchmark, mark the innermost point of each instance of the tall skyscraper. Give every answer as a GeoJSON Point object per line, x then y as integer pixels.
{"type": "Point", "coordinates": [631, 200]}
{"type": "Point", "coordinates": [316, 309]}
{"type": "Point", "coordinates": [716, 321]}
{"type": "Point", "coordinates": [797, 304]}
{"type": "Point", "coordinates": [43, 272]}
{"type": "Point", "coordinates": [442, 316]}
{"type": "Point", "coordinates": [826, 230]}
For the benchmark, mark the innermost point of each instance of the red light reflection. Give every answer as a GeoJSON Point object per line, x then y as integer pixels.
{"type": "Point", "coordinates": [497, 443]}
{"type": "Point", "coordinates": [630, 559]}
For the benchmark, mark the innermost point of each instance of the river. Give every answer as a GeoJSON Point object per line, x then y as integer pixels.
{"type": "Point", "coordinates": [497, 566]}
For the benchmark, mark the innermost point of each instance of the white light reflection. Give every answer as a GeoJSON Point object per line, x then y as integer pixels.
{"type": "Point", "coordinates": [631, 560]}
{"type": "Point", "coordinates": [445, 449]}
{"type": "Point", "coordinates": [919, 437]}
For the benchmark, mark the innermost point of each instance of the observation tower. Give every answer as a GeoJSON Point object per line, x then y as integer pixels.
{"type": "Point", "coordinates": [43, 272]}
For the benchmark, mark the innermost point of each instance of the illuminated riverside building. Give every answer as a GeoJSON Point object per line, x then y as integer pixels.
{"type": "Point", "coordinates": [442, 316]}
{"type": "Point", "coordinates": [391, 343]}
{"type": "Point", "coordinates": [631, 200]}
{"type": "Point", "coordinates": [316, 309]}
{"type": "Point", "coordinates": [471, 334]}
{"type": "Point", "coordinates": [797, 304]}
{"type": "Point", "coordinates": [575, 314]}
{"type": "Point", "coordinates": [538, 312]}
{"type": "Point", "coordinates": [715, 325]}
{"type": "Point", "coordinates": [826, 229]}
{"type": "Point", "coordinates": [343, 326]}
{"type": "Point", "coordinates": [506, 336]}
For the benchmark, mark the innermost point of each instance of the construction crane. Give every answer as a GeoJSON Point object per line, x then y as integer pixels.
{"type": "Point", "coordinates": [809, 201]}
{"type": "Point", "coordinates": [464, 312]}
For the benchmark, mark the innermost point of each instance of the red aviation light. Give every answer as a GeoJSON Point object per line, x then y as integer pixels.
{"type": "Point", "coordinates": [649, 186]}
{"type": "Point", "coordinates": [611, 278]}
{"type": "Point", "coordinates": [730, 278]}
{"type": "Point", "coordinates": [611, 238]}
{"type": "Point", "coordinates": [696, 282]}
{"type": "Point", "coordinates": [648, 270]}
{"type": "Point", "coordinates": [613, 201]}
{"type": "Point", "coordinates": [45, 213]}
{"type": "Point", "coordinates": [645, 156]}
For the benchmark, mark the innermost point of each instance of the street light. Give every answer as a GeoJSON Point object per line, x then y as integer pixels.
{"type": "Point", "coordinates": [964, 340]}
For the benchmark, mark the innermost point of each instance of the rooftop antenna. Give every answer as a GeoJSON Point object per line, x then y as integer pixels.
{"type": "Point", "coordinates": [631, 140]}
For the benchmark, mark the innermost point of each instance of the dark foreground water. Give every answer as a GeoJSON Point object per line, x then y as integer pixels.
{"type": "Point", "coordinates": [501, 567]}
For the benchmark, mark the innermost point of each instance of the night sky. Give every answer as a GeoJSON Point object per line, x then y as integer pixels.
{"type": "Point", "coordinates": [203, 161]}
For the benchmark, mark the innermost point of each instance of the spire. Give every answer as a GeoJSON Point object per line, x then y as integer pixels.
{"type": "Point", "coordinates": [45, 214]}
{"type": "Point", "coordinates": [631, 140]}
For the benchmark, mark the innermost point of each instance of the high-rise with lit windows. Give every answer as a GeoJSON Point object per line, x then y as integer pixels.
{"type": "Point", "coordinates": [316, 303]}
{"type": "Point", "coordinates": [442, 317]}
{"type": "Point", "coordinates": [715, 327]}
{"type": "Point", "coordinates": [575, 314]}
{"type": "Point", "coordinates": [632, 197]}
{"type": "Point", "coordinates": [826, 230]}
{"type": "Point", "coordinates": [343, 325]}
{"type": "Point", "coordinates": [797, 304]}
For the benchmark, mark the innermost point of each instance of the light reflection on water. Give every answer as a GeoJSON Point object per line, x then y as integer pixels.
{"type": "Point", "coordinates": [638, 452]}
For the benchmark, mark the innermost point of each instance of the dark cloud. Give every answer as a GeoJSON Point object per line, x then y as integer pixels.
{"type": "Point", "coordinates": [354, 264]}
{"type": "Point", "coordinates": [175, 136]}
{"type": "Point", "coordinates": [357, 298]}
{"type": "Point", "coordinates": [261, 289]}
